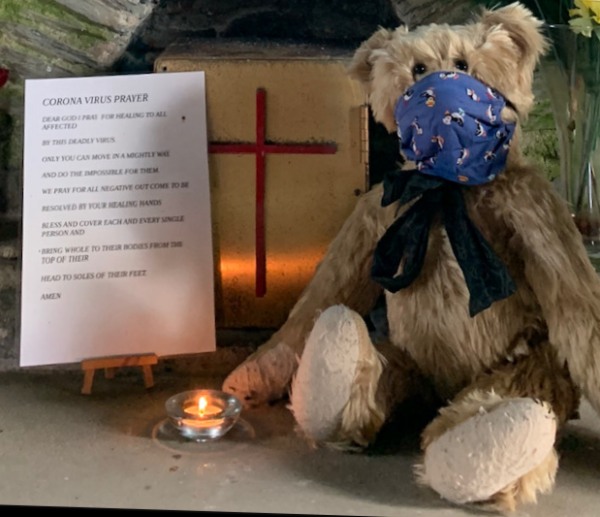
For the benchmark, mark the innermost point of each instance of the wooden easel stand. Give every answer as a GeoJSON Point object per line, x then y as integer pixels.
{"type": "Point", "coordinates": [111, 364]}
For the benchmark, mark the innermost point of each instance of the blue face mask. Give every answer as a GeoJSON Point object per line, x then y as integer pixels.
{"type": "Point", "coordinates": [449, 124]}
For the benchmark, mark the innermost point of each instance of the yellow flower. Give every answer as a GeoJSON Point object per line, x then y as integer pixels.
{"type": "Point", "coordinates": [585, 17]}
{"type": "Point", "coordinates": [594, 6]}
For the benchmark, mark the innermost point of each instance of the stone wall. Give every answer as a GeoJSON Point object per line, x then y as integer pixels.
{"type": "Point", "coordinates": [59, 38]}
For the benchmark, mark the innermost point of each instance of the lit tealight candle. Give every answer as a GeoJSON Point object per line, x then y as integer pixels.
{"type": "Point", "coordinates": [203, 414]}
{"type": "Point", "coordinates": [205, 410]}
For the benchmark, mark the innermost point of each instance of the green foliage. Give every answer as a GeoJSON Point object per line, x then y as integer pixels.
{"type": "Point", "coordinates": [52, 18]}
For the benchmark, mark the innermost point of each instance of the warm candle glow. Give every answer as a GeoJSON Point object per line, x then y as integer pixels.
{"type": "Point", "coordinates": [204, 408]}
{"type": "Point", "coordinates": [202, 405]}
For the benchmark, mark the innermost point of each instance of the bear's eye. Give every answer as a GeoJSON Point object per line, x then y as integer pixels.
{"type": "Point", "coordinates": [461, 64]}
{"type": "Point", "coordinates": [419, 69]}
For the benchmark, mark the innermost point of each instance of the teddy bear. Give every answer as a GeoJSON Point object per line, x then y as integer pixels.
{"type": "Point", "coordinates": [492, 305]}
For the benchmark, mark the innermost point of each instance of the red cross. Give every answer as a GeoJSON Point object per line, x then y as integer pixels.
{"type": "Point", "coordinates": [3, 76]}
{"type": "Point", "coordinates": [261, 148]}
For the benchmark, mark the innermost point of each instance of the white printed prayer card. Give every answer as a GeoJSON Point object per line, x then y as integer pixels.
{"type": "Point", "coordinates": [117, 240]}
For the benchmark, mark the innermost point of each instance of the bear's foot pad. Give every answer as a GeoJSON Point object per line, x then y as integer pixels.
{"type": "Point", "coordinates": [323, 383]}
{"type": "Point", "coordinates": [484, 454]}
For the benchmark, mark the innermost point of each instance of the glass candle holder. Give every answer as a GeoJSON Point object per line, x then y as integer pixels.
{"type": "Point", "coordinates": [203, 415]}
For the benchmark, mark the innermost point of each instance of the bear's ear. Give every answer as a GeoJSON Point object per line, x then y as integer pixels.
{"type": "Point", "coordinates": [373, 67]}
{"type": "Point", "coordinates": [523, 28]}
{"type": "Point", "coordinates": [362, 62]}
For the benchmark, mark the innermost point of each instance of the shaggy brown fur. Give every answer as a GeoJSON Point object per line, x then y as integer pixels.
{"type": "Point", "coordinates": [541, 342]}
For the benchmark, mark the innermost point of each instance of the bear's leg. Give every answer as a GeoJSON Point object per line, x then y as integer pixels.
{"type": "Point", "coordinates": [342, 277]}
{"type": "Point", "coordinates": [345, 388]}
{"type": "Point", "coordinates": [494, 444]}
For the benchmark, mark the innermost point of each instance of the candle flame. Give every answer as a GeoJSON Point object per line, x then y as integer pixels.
{"type": "Point", "coordinates": [202, 405]}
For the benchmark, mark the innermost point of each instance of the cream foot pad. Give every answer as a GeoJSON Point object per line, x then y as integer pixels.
{"type": "Point", "coordinates": [327, 370]}
{"type": "Point", "coordinates": [487, 452]}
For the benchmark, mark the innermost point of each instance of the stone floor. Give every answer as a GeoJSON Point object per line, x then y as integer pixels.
{"type": "Point", "coordinates": [114, 449]}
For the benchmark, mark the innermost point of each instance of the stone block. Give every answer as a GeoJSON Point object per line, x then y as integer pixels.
{"type": "Point", "coordinates": [272, 229]}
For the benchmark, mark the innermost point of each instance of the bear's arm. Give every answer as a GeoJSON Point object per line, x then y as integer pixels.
{"type": "Point", "coordinates": [560, 274]}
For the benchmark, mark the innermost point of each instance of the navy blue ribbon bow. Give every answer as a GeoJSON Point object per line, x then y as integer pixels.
{"type": "Point", "coordinates": [406, 239]}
